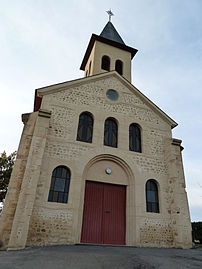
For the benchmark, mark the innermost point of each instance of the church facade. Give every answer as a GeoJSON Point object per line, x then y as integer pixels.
{"type": "Point", "coordinates": [97, 162]}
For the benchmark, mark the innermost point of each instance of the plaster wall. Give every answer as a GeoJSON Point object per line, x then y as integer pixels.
{"type": "Point", "coordinates": [99, 50]}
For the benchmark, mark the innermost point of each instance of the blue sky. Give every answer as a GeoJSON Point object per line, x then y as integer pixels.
{"type": "Point", "coordinates": [43, 42]}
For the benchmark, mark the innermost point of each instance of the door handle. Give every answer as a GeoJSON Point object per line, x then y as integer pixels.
{"type": "Point", "coordinates": [107, 211]}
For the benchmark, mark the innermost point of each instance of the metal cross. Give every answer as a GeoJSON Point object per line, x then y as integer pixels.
{"type": "Point", "coordinates": [109, 12]}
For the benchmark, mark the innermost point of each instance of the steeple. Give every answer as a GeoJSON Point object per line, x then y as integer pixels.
{"type": "Point", "coordinates": [107, 52]}
{"type": "Point", "coordinates": [109, 32]}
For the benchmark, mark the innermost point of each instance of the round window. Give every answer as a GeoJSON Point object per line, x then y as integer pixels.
{"type": "Point", "coordinates": [112, 95]}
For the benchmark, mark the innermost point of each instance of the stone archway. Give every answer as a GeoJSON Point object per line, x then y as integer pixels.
{"type": "Point", "coordinates": [113, 176]}
{"type": "Point", "coordinates": [120, 169]}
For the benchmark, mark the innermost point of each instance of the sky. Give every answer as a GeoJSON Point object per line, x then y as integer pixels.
{"type": "Point", "coordinates": [43, 43]}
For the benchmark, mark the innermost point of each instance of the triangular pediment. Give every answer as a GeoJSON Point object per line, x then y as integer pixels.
{"type": "Point", "coordinates": [132, 96]}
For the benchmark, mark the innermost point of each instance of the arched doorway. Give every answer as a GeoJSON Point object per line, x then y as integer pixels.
{"type": "Point", "coordinates": [104, 210]}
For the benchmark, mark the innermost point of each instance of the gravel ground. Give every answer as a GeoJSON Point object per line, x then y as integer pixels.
{"type": "Point", "coordinates": [99, 257]}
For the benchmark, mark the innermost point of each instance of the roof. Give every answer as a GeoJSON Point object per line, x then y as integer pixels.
{"type": "Point", "coordinates": [73, 83]}
{"type": "Point", "coordinates": [110, 33]}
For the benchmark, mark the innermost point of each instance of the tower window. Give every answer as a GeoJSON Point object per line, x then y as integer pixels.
{"type": "Point", "coordinates": [105, 63]}
{"type": "Point", "coordinates": [110, 133]}
{"type": "Point", "coordinates": [85, 127]}
{"type": "Point", "coordinates": [135, 138]}
{"type": "Point", "coordinates": [119, 67]}
{"type": "Point", "coordinates": [59, 188]}
{"type": "Point", "coordinates": [152, 199]}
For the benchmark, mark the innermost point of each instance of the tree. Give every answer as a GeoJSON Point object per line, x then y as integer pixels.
{"type": "Point", "coordinates": [197, 231]}
{"type": "Point", "coordinates": [6, 167]}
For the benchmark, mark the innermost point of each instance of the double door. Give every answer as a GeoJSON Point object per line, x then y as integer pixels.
{"type": "Point", "coordinates": [104, 214]}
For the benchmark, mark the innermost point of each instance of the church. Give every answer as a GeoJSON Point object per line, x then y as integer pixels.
{"type": "Point", "coordinates": [97, 163]}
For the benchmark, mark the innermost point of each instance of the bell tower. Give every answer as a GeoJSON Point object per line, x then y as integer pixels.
{"type": "Point", "coordinates": [107, 52]}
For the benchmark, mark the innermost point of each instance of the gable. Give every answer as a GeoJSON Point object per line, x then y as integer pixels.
{"type": "Point", "coordinates": [91, 92]}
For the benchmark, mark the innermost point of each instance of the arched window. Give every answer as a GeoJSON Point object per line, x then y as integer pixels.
{"type": "Point", "coordinates": [85, 127]}
{"type": "Point", "coordinates": [152, 196]}
{"type": "Point", "coordinates": [59, 188]}
{"type": "Point", "coordinates": [135, 138]}
{"type": "Point", "coordinates": [119, 67]}
{"type": "Point", "coordinates": [110, 133]}
{"type": "Point", "coordinates": [105, 63]}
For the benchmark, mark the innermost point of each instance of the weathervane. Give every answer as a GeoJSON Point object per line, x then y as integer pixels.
{"type": "Point", "coordinates": [109, 12]}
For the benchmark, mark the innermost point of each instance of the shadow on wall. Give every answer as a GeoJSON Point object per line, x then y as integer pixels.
{"type": "Point", "coordinates": [1, 208]}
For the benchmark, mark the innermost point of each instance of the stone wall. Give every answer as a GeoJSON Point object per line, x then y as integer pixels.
{"type": "Point", "coordinates": [49, 227]}
{"type": "Point", "coordinates": [61, 145]}
{"type": "Point", "coordinates": [56, 223]}
{"type": "Point", "coordinates": [158, 233]}
{"type": "Point", "coordinates": [14, 188]}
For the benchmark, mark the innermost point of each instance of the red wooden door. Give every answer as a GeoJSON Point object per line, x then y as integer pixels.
{"type": "Point", "coordinates": [104, 214]}
{"type": "Point", "coordinates": [92, 214]}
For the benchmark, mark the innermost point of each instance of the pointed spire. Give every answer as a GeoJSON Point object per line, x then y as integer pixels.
{"type": "Point", "coordinates": [109, 36]}
{"type": "Point", "coordinates": [109, 32]}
